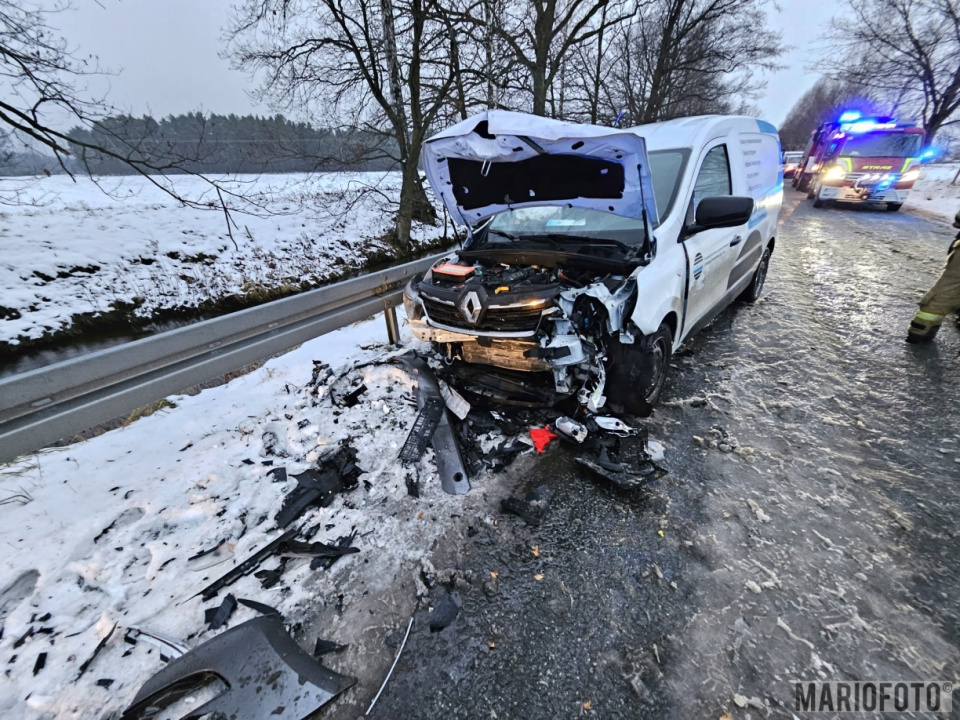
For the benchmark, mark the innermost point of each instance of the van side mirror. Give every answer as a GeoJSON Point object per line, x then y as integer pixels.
{"type": "Point", "coordinates": [721, 212]}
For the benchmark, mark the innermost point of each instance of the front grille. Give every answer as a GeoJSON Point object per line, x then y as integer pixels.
{"type": "Point", "coordinates": [492, 320]}
{"type": "Point", "coordinates": [875, 177]}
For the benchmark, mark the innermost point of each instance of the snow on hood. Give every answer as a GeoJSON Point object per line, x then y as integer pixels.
{"type": "Point", "coordinates": [501, 160]}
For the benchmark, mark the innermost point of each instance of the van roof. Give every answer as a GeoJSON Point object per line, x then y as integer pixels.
{"type": "Point", "coordinates": [694, 131]}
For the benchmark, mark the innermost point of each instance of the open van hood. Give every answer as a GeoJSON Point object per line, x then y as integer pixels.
{"type": "Point", "coordinates": [501, 160]}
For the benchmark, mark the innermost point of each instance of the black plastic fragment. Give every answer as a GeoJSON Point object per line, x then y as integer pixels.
{"type": "Point", "coordinates": [247, 461]}
{"type": "Point", "coordinates": [350, 397]}
{"type": "Point", "coordinates": [104, 682]}
{"type": "Point", "coordinates": [624, 462]}
{"type": "Point", "coordinates": [40, 663]}
{"type": "Point", "coordinates": [325, 647]}
{"type": "Point", "coordinates": [532, 508]}
{"type": "Point", "coordinates": [445, 611]}
{"type": "Point", "coordinates": [336, 472]}
{"type": "Point", "coordinates": [269, 578]}
{"type": "Point", "coordinates": [246, 567]}
{"type": "Point", "coordinates": [413, 485]}
{"type": "Point", "coordinates": [332, 553]}
{"type": "Point", "coordinates": [266, 673]}
{"type": "Point", "coordinates": [96, 651]}
{"type": "Point", "coordinates": [260, 607]}
{"type": "Point", "coordinates": [217, 617]}
{"type": "Point", "coordinates": [23, 638]}
{"type": "Point", "coordinates": [421, 434]}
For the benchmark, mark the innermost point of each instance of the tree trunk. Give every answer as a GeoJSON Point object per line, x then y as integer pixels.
{"type": "Point", "coordinates": [414, 205]}
{"type": "Point", "coordinates": [542, 36]}
{"type": "Point", "coordinates": [595, 97]}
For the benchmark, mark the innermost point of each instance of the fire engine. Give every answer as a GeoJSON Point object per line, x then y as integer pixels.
{"type": "Point", "coordinates": [861, 159]}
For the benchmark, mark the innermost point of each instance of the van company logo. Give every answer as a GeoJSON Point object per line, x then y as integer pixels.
{"type": "Point", "coordinates": [470, 307]}
{"type": "Point", "coordinates": [924, 696]}
{"type": "Point", "coordinates": [697, 266]}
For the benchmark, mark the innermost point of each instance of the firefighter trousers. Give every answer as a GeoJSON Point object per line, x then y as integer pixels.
{"type": "Point", "coordinates": [941, 300]}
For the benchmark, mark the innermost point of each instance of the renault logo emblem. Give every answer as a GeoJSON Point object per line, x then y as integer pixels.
{"type": "Point", "coordinates": [470, 307]}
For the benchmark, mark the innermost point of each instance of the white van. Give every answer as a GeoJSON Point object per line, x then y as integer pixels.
{"type": "Point", "coordinates": [592, 252]}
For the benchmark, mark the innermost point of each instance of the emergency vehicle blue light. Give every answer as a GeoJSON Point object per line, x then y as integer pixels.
{"type": "Point", "coordinates": [928, 153]}
{"type": "Point", "coordinates": [862, 127]}
{"type": "Point", "coordinates": [850, 116]}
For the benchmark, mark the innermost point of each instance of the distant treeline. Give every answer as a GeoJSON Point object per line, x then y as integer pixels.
{"type": "Point", "coordinates": [211, 144]}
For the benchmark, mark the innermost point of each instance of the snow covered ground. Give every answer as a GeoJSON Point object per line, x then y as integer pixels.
{"type": "Point", "coordinates": [71, 248]}
{"type": "Point", "coordinates": [933, 192]}
{"type": "Point", "coordinates": [98, 534]}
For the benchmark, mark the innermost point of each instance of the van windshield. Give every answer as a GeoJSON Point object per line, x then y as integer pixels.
{"type": "Point", "coordinates": [666, 169]}
{"type": "Point", "coordinates": [880, 144]}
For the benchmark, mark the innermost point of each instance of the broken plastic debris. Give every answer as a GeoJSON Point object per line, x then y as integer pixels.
{"type": "Point", "coordinates": [96, 651]}
{"type": "Point", "coordinates": [349, 398]}
{"type": "Point", "coordinates": [264, 671]}
{"type": "Point", "coordinates": [627, 468]}
{"type": "Point", "coordinates": [532, 508]}
{"type": "Point", "coordinates": [260, 607]}
{"type": "Point", "coordinates": [615, 425]}
{"type": "Point", "coordinates": [336, 472]}
{"type": "Point", "coordinates": [571, 429]}
{"type": "Point", "coordinates": [217, 617]}
{"type": "Point", "coordinates": [168, 648]}
{"type": "Point", "coordinates": [421, 434]}
{"type": "Point", "coordinates": [324, 647]}
{"type": "Point", "coordinates": [541, 437]}
{"type": "Point", "coordinates": [246, 567]}
{"type": "Point", "coordinates": [454, 400]}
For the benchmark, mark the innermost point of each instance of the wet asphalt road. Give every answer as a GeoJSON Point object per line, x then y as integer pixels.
{"type": "Point", "coordinates": [824, 546]}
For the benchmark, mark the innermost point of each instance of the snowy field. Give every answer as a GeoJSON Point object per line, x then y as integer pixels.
{"type": "Point", "coordinates": [933, 194]}
{"type": "Point", "coordinates": [72, 248]}
{"type": "Point", "coordinates": [98, 534]}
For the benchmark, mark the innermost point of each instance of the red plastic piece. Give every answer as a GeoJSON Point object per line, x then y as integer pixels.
{"type": "Point", "coordinates": [541, 437]}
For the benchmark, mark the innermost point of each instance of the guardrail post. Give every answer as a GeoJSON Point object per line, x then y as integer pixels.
{"type": "Point", "coordinates": [393, 327]}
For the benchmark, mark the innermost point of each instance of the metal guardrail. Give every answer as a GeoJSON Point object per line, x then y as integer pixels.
{"type": "Point", "coordinates": [58, 401]}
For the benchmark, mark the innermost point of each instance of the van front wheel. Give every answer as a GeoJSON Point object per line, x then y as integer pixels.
{"type": "Point", "coordinates": [637, 373]}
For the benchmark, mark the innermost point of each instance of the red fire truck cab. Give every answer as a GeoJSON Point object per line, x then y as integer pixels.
{"type": "Point", "coordinates": [861, 159]}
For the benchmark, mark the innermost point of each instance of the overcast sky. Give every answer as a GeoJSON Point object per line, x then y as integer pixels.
{"type": "Point", "coordinates": [165, 52]}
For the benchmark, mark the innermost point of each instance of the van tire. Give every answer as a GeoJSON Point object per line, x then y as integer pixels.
{"type": "Point", "coordinates": [637, 373]}
{"type": "Point", "coordinates": [753, 291]}
{"type": "Point", "coordinates": [894, 207]}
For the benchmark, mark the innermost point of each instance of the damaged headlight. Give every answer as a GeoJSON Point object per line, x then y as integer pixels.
{"type": "Point", "coordinates": [412, 304]}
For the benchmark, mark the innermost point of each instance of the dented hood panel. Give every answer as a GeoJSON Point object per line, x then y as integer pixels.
{"type": "Point", "coordinates": [500, 160]}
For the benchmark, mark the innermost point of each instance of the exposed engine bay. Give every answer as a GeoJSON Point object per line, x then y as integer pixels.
{"type": "Point", "coordinates": [527, 335]}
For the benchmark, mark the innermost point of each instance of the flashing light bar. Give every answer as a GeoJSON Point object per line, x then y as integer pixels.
{"type": "Point", "coordinates": [849, 116]}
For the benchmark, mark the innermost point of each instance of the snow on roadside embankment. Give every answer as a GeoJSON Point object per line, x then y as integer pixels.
{"type": "Point", "coordinates": [934, 194]}
{"type": "Point", "coordinates": [102, 531]}
{"type": "Point", "coordinates": [79, 251]}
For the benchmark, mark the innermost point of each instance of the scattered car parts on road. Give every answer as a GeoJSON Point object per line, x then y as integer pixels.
{"type": "Point", "coordinates": [267, 676]}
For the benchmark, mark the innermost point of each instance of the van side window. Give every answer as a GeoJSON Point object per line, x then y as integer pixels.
{"type": "Point", "coordinates": [714, 177]}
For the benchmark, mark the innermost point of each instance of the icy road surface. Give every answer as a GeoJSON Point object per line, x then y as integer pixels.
{"type": "Point", "coordinates": [807, 528]}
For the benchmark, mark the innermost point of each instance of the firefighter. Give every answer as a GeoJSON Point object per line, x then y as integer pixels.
{"type": "Point", "coordinates": [942, 299]}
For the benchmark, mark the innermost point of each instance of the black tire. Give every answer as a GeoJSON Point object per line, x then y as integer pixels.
{"type": "Point", "coordinates": [753, 291]}
{"type": "Point", "coordinates": [804, 184]}
{"type": "Point", "coordinates": [894, 207]}
{"type": "Point", "coordinates": [637, 373]}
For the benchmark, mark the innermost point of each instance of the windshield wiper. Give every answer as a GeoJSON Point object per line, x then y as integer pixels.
{"type": "Point", "coordinates": [560, 238]}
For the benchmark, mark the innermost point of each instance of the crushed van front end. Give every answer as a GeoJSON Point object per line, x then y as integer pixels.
{"type": "Point", "coordinates": [526, 335]}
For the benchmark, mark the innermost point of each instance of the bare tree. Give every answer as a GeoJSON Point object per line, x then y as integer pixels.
{"type": "Point", "coordinates": [41, 90]}
{"type": "Point", "coordinates": [536, 39]}
{"type": "Point", "coordinates": [682, 57]}
{"type": "Point", "coordinates": [388, 67]}
{"type": "Point", "coordinates": [907, 51]}
{"type": "Point", "coordinates": [826, 100]}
